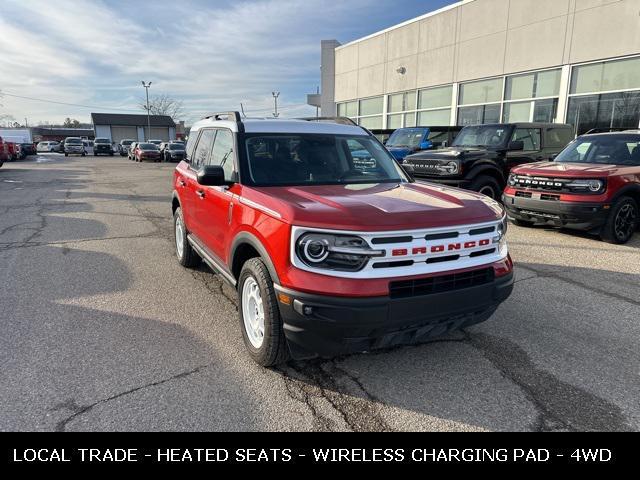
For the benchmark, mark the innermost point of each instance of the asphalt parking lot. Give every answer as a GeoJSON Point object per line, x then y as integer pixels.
{"type": "Point", "coordinates": [101, 329]}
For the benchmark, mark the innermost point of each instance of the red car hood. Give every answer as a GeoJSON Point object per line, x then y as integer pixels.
{"type": "Point", "coordinates": [580, 170]}
{"type": "Point", "coordinates": [376, 207]}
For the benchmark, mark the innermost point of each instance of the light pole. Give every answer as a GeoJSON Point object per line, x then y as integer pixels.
{"type": "Point", "coordinates": [275, 102]}
{"type": "Point", "coordinates": [147, 86]}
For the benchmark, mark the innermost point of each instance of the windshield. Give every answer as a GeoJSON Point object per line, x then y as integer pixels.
{"type": "Point", "coordinates": [406, 137]}
{"type": "Point", "coordinates": [487, 136]}
{"type": "Point", "coordinates": [73, 141]}
{"type": "Point", "coordinates": [102, 140]}
{"type": "Point", "coordinates": [147, 146]}
{"type": "Point", "coordinates": [127, 142]}
{"type": "Point", "coordinates": [312, 159]}
{"type": "Point", "coordinates": [176, 146]}
{"type": "Point", "coordinates": [603, 149]}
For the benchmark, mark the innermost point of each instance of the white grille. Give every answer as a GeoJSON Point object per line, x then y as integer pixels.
{"type": "Point", "coordinates": [418, 252]}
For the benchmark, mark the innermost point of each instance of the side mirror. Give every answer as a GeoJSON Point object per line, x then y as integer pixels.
{"type": "Point", "coordinates": [553, 157]}
{"type": "Point", "coordinates": [426, 145]}
{"type": "Point", "coordinates": [211, 175]}
{"type": "Point", "coordinates": [516, 146]}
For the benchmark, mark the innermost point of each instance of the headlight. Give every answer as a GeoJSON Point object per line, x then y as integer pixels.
{"type": "Point", "coordinates": [512, 179]}
{"type": "Point", "coordinates": [335, 252]}
{"type": "Point", "coordinates": [589, 186]}
{"type": "Point", "coordinates": [501, 230]}
{"type": "Point", "coordinates": [449, 168]}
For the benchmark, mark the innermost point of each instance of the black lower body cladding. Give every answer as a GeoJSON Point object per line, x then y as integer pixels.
{"type": "Point", "coordinates": [578, 215]}
{"type": "Point", "coordinates": [321, 326]}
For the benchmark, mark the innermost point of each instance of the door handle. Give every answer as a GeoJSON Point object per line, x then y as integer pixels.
{"type": "Point", "coordinates": [182, 183]}
{"type": "Point", "coordinates": [200, 193]}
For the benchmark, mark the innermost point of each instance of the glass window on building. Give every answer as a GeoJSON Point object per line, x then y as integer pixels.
{"type": "Point", "coordinates": [544, 111]}
{"type": "Point", "coordinates": [402, 102]}
{"type": "Point", "coordinates": [435, 118]}
{"type": "Point", "coordinates": [435, 97]}
{"type": "Point", "coordinates": [371, 106]}
{"type": "Point", "coordinates": [483, 91]}
{"type": "Point", "coordinates": [400, 120]}
{"type": "Point", "coordinates": [606, 76]}
{"type": "Point", "coordinates": [478, 114]}
{"type": "Point", "coordinates": [533, 85]}
{"type": "Point", "coordinates": [372, 123]}
{"type": "Point", "coordinates": [605, 111]}
{"type": "Point", "coordinates": [348, 109]}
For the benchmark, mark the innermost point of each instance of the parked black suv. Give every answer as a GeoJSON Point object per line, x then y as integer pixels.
{"type": "Point", "coordinates": [102, 145]}
{"type": "Point", "coordinates": [482, 156]}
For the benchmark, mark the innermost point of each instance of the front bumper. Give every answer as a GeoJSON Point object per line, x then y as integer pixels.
{"type": "Point", "coordinates": [317, 325]}
{"type": "Point", "coordinates": [578, 215]}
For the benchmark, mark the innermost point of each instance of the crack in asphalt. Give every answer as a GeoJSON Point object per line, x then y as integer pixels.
{"type": "Point", "coordinates": [560, 405]}
{"type": "Point", "coordinates": [15, 245]}
{"type": "Point", "coordinates": [325, 380]}
{"type": "Point", "coordinates": [79, 410]}
{"type": "Point", "coordinates": [550, 274]}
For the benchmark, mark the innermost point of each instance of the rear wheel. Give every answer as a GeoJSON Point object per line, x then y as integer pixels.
{"type": "Point", "coordinates": [621, 222]}
{"type": "Point", "coordinates": [187, 256]}
{"type": "Point", "coordinates": [260, 316]}
{"type": "Point", "coordinates": [486, 185]}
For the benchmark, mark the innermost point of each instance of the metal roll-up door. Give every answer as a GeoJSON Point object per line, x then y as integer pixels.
{"type": "Point", "coordinates": [124, 133]}
{"type": "Point", "coordinates": [158, 133]}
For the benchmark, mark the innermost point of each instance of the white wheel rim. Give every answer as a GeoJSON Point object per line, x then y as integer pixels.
{"type": "Point", "coordinates": [253, 312]}
{"type": "Point", "coordinates": [179, 237]}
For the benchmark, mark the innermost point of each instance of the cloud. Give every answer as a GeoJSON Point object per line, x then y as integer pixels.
{"type": "Point", "coordinates": [210, 55]}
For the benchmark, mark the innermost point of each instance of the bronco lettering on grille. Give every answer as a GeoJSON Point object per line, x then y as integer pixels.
{"type": "Point", "coordinates": [403, 252]}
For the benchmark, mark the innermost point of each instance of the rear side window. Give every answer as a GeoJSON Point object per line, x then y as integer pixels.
{"type": "Point", "coordinates": [529, 136]}
{"type": "Point", "coordinates": [191, 144]}
{"type": "Point", "coordinates": [205, 143]}
{"type": "Point", "coordinates": [558, 138]}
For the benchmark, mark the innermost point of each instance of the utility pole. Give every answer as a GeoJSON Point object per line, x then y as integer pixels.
{"type": "Point", "coordinates": [318, 108]}
{"type": "Point", "coordinates": [147, 86]}
{"type": "Point", "coordinates": [275, 104]}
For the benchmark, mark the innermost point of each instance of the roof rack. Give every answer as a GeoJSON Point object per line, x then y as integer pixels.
{"type": "Point", "coordinates": [606, 130]}
{"type": "Point", "coordinates": [339, 120]}
{"type": "Point", "coordinates": [231, 116]}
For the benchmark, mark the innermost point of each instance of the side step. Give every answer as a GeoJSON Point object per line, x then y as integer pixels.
{"type": "Point", "coordinates": [214, 264]}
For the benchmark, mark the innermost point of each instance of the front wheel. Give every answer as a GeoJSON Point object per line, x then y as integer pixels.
{"type": "Point", "coordinates": [487, 186]}
{"type": "Point", "coordinates": [260, 319]}
{"type": "Point", "coordinates": [621, 222]}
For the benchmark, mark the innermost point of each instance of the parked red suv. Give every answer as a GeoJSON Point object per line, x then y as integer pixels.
{"type": "Point", "coordinates": [593, 185]}
{"type": "Point", "coordinates": [146, 152]}
{"type": "Point", "coordinates": [331, 250]}
{"type": "Point", "coordinates": [4, 152]}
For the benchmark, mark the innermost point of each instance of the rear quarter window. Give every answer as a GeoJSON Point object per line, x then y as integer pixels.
{"type": "Point", "coordinates": [558, 138]}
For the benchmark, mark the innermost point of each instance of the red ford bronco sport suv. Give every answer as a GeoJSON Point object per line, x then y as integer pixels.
{"type": "Point", "coordinates": [593, 185]}
{"type": "Point", "coordinates": [331, 250]}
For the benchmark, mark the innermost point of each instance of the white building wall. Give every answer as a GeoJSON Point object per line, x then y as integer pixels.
{"type": "Point", "coordinates": [475, 39]}
{"type": "Point", "coordinates": [103, 131]}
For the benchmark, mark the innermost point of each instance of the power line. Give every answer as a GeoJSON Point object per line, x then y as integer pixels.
{"type": "Point", "coordinates": [69, 104]}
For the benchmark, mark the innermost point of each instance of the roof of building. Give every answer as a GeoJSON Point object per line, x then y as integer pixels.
{"type": "Point", "coordinates": [127, 120]}
{"type": "Point", "coordinates": [62, 132]}
{"type": "Point", "coordinates": [271, 125]}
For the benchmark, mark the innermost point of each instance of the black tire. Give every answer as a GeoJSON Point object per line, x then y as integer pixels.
{"type": "Point", "coordinates": [187, 256]}
{"type": "Point", "coordinates": [488, 186]}
{"type": "Point", "coordinates": [622, 221]}
{"type": "Point", "coordinates": [273, 350]}
{"type": "Point", "coordinates": [66, 154]}
{"type": "Point", "coordinates": [523, 223]}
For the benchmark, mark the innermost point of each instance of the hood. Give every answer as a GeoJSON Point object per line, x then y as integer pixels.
{"type": "Point", "coordinates": [374, 207]}
{"type": "Point", "coordinates": [563, 169]}
{"type": "Point", "coordinates": [451, 153]}
{"type": "Point", "coordinates": [400, 152]}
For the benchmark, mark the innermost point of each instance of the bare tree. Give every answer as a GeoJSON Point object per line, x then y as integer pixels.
{"type": "Point", "coordinates": [163, 105]}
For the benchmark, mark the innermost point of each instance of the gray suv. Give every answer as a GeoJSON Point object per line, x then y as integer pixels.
{"type": "Point", "coordinates": [74, 146]}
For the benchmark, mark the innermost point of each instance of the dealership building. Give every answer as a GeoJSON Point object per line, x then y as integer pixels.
{"type": "Point", "coordinates": [487, 61]}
